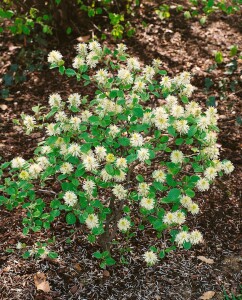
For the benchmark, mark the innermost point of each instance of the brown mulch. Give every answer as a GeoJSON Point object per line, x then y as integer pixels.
{"type": "Point", "coordinates": [181, 275]}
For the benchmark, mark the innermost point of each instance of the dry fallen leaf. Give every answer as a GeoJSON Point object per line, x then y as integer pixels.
{"type": "Point", "coordinates": [106, 273]}
{"type": "Point", "coordinates": [3, 107]}
{"type": "Point", "coordinates": [41, 283]}
{"type": "Point", "coordinates": [83, 39]}
{"type": "Point", "coordinates": [206, 260]}
{"type": "Point", "coordinates": [207, 295]}
{"type": "Point", "coordinates": [9, 99]}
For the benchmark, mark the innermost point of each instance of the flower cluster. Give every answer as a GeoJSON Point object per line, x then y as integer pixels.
{"type": "Point", "coordinates": [136, 144]}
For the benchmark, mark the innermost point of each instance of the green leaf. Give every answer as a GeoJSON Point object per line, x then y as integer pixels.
{"type": "Point", "coordinates": [190, 193]}
{"type": "Point", "coordinates": [109, 169]}
{"type": "Point", "coordinates": [218, 57]}
{"type": "Point", "coordinates": [70, 72]}
{"type": "Point", "coordinates": [162, 254]}
{"type": "Point", "coordinates": [187, 245]}
{"type": "Point", "coordinates": [192, 131]}
{"type": "Point", "coordinates": [172, 197]}
{"type": "Point", "coordinates": [158, 186]}
{"type": "Point", "coordinates": [97, 254]}
{"type": "Point", "coordinates": [110, 261]}
{"type": "Point", "coordinates": [52, 255]}
{"type": "Point", "coordinates": [70, 219]}
{"type": "Point", "coordinates": [124, 141]}
{"type": "Point", "coordinates": [140, 178]}
{"type": "Point", "coordinates": [138, 112]}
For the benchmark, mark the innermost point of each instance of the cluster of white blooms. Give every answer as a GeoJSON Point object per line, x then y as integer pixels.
{"type": "Point", "coordinates": [18, 162]}
{"type": "Point", "coordinates": [89, 186]}
{"type": "Point", "coordinates": [136, 140]}
{"type": "Point", "coordinates": [92, 221]}
{"type": "Point", "coordinates": [35, 170]}
{"type": "Point", "coordinates": [147, 203]}
{"type": "Point", "coordinates": [159, 175]}
{"type": "Point", "coordinates": [55, 100]}
{"type": "Point", "coordinates": [70, 198]}
{"type": "Point", "coordinates": [195, 237]}
{"type": "Point", "coordinates": [119, 191]}
{"type": "Point", "coordinates": [150, 258]}
{"type": "Point", "coordinates": [74, 100]}
{"type": "Point", "coordinates": [66, 168]}
{"type": "Point", "coordinates": [143, 189]}
{"type": "Point", "coordinates": [177, 157]}
{"type": "Point", "coordinates": [177, 217]}
{"type": "Point", "coordinates": [124, 224]}
{"type": "Point", "coordinates": [29, 122]}
{"type": "Point", "coordinates": [54, 57]}
{"type": "Point", "coordinates": [191, 206]}
{"type": "Point", "coordinates": [143, 154]}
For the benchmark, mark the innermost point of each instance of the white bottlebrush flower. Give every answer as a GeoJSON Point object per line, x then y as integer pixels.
{"type": "Point", "coordinates": [90, 163]}
{"type": "Point", "coordinates": [203, 123]}
{"type": "Point", "coordinates": [147, 117]}
{"type": "Point", "coordinates": [179, 217]}
{"type": "Point", "coordinates": [24, 175]}
{"type": "Point", "coordinates": [188, 90]}
{"type": "Point", "coordinates": [121, 163]}
{"type": "Point", "coordinates": [156, 63]}
{"type": "Point", "coordinates": [124, 224]}
{"type": "Point", "coordinates": [105, 176]}
{"type": "Point", "coordinates": [110, 158]}
{"type": "Point", "coordinates": [210, 173]}
{"type": "Point", "coordinates": [181, 126]}
{"type": "Point", "coordinates": [211, 137]}
{"type": "Point", "coordinates": [202, 185]}
{"type": "Point", "coordinates": [177, 111]}
{"type": "Point", "coordinates": [54, 57]}
{"type": "Point", "coordinates": [143, 154]}
{"type": "Point", "coordinates": [18, 162]}
{"type": "Point", "coordinates": [121, 48]}
{"type": "Point", "coordinates": [228, 167]}
{"type": "Point", "coordinates": [43, 161]}
{"type": "Point", "coordinates": [185, 77]}
{"type": "Point", "coordinates": [113, 130]}
{"type": "Point", "coordinates": [78, 62]}
{"type": "Point", "coordinates": [139, 86]}
{"type": "Point", "coordinates": [150, 258]}
{"type": "Point", "coordinates": [159, 175]}
{"type": "Point", "coordinates": [133, 64]}
{"type": "Point", "coordinates": [74, 100]}
{"type": "Point", "coordinates": [29, 122]}
{"type": "Point", "coordinates": [177, 156]}
{"type": "Point", "coordinates": [148, 73]}
{"type": "Point", "coordinates": [95, 47]}
{"type": "Point", "coordinates": [85, 115]}
{"type": "Point", "coordinates": [186, 201]}
{"type": "Point", "coordinates": [45, 149]}
{"type": "Point", "coordinates": [121, 177]}
{"type": "Point", "coordinates": [101, 76]}
{"type": "Point", "coordinates": [61, 116]}
{"type": "Point", "coordinates": [52, 129]}
{"type": "Point", "coordinates": [193, 109]}
{"type": "Point", "coordinates": [34, 170]}
{"type": "Point", "coordinates": [147, 203]}
{"type": "Point", "coordinates": [166, 82]}
{"type": "Point", "coordinates": [66, 168]}
{"type": "Point", "coordinates": [55, 100]}
{"type": "Point", "coordinates": [171, 101]}
{"type": "Point", "coordinates": [169, 218]}
{"type": "Point", "coordinates": [125, 76]}
{"type": "Point", "coordinates": [182, 237]}
{"type": "Point", "coordinates": [161, 122]}
{"type": "Point", "coordinates": [143, 189]}
{"type": "Point", "coordinates": [100, 152]}
{"type": "Point", "coordinates": [119, 191]}
{"type": "Point", "coordinates": [82, 49]}
{"type": "Point", "coordinates": [74, 150]}
{"type": "Point", "coordinates": [89, 186]}
{"type": "Point", "coordinates": [92, 59]}
{"type": "Point", "coordinates": [136, 140]}
{"type": "Point", "coordinates": [195, 237]}
{"type": "Point", "coordinates": [70, 198]}
{"type": "Point", "coordinates": [75, 122]}
{"type": "Point", "coordinates": [92, 221]}
{"type": "Point", "coordinates": [193, 208]}
{"type": "Point", "coordinates": [212, 152]}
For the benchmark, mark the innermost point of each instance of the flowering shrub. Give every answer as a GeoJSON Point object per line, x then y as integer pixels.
{"type": "Point", "coordinates": [129, 158]}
